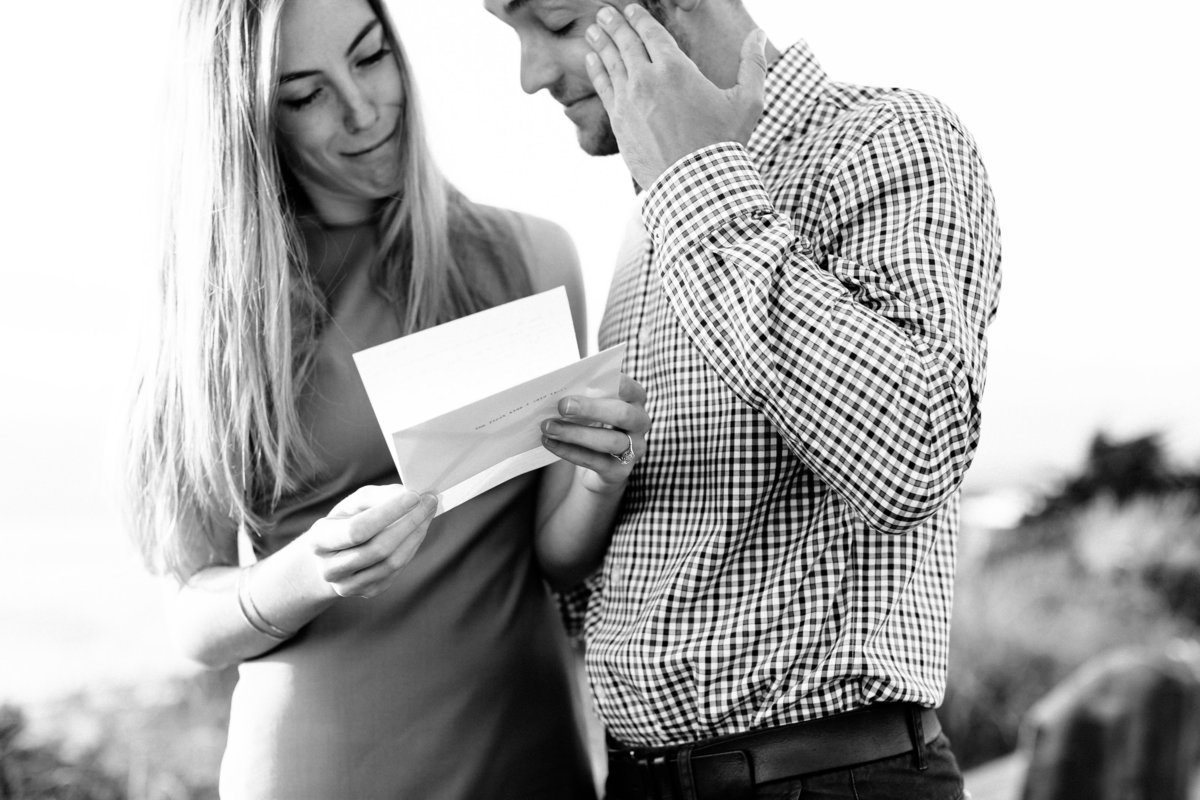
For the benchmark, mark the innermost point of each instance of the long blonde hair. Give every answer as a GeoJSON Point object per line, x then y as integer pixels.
{"type": "Point", "coordinates": [215, 435]}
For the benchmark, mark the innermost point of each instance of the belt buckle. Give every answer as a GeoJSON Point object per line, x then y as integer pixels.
{"type": "Point", "coordinates": [727, 775]}
{"type": "Point", "coordinates": [659, 777]}
{"type": "Point", "coordinates": [643, 767]}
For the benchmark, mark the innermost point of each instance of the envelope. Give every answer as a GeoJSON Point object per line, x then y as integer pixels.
{"type": "Point", "coordinates": [460, 404]}
{"type": "Point", "coordinates": [465, 452]}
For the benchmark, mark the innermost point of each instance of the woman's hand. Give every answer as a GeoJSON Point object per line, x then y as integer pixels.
{"type": "Point", "coordinates": [605, 435]}
{"type": "Point", "coordinates": [368, 538]}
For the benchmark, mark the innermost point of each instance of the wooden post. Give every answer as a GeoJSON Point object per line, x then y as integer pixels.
{"type": "Point", "coordinates": [1124, 727]}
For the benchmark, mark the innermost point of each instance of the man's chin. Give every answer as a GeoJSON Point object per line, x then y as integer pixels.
{"type": "Point", "coordinates": [597, 139]}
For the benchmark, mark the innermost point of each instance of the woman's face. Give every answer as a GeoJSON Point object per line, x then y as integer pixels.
{"type": "Point", "coordinates": [339, 102]}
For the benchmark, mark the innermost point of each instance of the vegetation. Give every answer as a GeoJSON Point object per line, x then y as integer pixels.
{"type": "Point", "coordinates": [1111, 558]}
{"type": "Point", "coordinates": [160, 742]}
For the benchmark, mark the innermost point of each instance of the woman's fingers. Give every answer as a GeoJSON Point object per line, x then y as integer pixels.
{"type": "Point", "coordinates": [605, 441]}
{"type": "Point", "coordinates": [605, 411]}
{"type": "Point", "coordinates": [378, 577]}
{"type": "Point", "coordinates": [596, 432]}
{"type": "Point", "coordinates": [361, 516]}
{"type": "Point", "coordinates": [631, 391]}
{"type": "Point", "coordinates": [364, 498]}
{"type": "Point", "coordinates": [383, 544]}
{"type": "Point", "coordinates": [601, 463]}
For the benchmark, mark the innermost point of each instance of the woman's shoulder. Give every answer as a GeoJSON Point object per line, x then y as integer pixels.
{"type": "Point", "coordinates": [549, 253]}
{"type": "Point", "coordinates": [548, 248]}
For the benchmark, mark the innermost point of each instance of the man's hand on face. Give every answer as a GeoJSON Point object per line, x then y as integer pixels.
{"type": "Point", "coordinates": [659, 103]}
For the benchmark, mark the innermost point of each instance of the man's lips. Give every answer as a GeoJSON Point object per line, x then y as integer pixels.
{"type": "Point", "coordinates": [577, 100]}
{"type": "Point", "coordinates": [373, 147]}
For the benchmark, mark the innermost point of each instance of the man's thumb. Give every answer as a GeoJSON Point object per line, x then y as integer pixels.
{"type": "Point", "coordinates": [752, 70]}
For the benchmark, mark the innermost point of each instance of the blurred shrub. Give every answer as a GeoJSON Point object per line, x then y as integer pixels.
{"type": "Point", "coordinates": [1120, 469]}
{"type": "Point", "coordinates": [155, 742]}
{"type": "Point", "coordinates": [1152, 540]}
{"type": "Point", "coordinates": [30, 769]}
{"type": "Point", "coordinates": [1086, 583]}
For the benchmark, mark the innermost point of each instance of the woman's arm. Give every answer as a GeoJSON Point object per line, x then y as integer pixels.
{"type": "Point", "coordinates": [581, 494]}
{"type": "Point", "coordinates": [224, 615]}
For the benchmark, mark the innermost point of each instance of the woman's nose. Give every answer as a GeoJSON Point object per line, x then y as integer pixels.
{"type": "Point", "coordinates": [359, 109]}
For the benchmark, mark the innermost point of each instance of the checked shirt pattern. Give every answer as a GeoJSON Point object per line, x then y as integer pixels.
{"type": "Point", "coordinates": [807, 315]}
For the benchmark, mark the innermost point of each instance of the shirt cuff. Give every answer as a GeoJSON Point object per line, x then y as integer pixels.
{"type": "Point", "coordinates": [700, 191]}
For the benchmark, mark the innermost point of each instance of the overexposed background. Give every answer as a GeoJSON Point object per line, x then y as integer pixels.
{"type": "Point", "coordinates": [1083, 116]}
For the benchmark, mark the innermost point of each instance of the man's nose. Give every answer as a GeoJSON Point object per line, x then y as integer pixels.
{"type": "Point", "coordinates": [539, 69]}
{"type": "Point", "coordinates": [358, 108]}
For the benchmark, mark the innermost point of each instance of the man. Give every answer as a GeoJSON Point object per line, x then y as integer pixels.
{"type": "Point", "coordinates": [805, 303]}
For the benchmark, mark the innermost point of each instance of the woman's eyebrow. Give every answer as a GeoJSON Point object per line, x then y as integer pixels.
{"type": "Point", "coordinates": [295, 76]}
{"type": "Point", "coordinates": [361, 35]}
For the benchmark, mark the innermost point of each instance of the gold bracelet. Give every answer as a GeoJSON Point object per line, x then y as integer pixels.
{"type": "Point", "coordinates": [251, 613]}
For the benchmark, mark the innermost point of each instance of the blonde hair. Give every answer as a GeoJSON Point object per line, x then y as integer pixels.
{"type": "Point", "coordinates": [215, 435]}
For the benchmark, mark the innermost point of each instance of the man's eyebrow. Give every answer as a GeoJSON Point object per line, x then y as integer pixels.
{"type": "Point", "coordinates": [370, 26]}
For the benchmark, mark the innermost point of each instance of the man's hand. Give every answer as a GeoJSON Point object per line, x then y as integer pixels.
{"type": "Point", "coordinates": [659, 103]}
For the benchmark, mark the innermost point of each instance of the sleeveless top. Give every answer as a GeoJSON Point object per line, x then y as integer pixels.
{"type": "Point", "coordinates": [452, 684]}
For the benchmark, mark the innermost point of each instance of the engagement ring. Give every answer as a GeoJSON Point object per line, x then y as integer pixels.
{"type": "Point", "coordinates": [626, 457]}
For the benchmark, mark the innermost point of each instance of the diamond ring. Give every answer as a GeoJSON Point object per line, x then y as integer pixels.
{"type": "Point", "coordinates": [625, 458]}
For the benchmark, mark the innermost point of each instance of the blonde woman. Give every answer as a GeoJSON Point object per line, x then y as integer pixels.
{"type": "Point", "coordinates": [383, 653]}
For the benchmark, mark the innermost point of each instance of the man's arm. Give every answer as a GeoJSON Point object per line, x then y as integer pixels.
{"type": "Point", "coordinates": [867, 354]}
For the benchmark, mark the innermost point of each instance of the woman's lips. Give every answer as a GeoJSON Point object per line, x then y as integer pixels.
{"type": "Point", "coordinates": [373, 147]}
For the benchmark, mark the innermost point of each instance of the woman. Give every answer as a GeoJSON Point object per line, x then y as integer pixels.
{"type": "Point", "coordinates": [383, 653]}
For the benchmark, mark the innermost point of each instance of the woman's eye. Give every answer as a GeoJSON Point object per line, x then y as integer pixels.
{"type": "Point", "coordinates": [375, 57]}
{"type": "Point", "coordinates": [300, 102]}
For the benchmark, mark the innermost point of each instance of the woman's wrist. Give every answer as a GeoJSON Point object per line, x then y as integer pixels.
{"type": "Point", "coordinates": [250, 611]}
{"type": "Point", "coordinates": [283, 593]}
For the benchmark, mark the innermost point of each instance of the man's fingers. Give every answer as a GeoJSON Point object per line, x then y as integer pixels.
{"type": "Point", "coordinates": [610, 55]}
{"type": "Point", "coordinates": [752, 70]}
{"type": "Point", "coordinates": [659, 44]}
{"type": "Point", "coordinates": [600, 80]}
{"type": "Point", "coordinates": [627, 40]}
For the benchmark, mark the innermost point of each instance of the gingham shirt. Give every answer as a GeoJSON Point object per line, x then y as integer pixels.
{"type": "Point", "coordinates": [807, 317]}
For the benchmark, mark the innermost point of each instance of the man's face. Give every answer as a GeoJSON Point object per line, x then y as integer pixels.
{"type": "Point", "coordinates": [553, 48]}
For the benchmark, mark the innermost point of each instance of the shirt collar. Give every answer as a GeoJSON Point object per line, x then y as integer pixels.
{"type": "Point", "coordinates": [793, 82]}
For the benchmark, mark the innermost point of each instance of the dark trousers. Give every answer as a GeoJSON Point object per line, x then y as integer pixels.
{"type": "Point", "coordinates": [928, 772]}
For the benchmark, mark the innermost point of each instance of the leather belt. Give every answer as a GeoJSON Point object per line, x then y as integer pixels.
{"type": "Point", "coordinates": [729, 767]}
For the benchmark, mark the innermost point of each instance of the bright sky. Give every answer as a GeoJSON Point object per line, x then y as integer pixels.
{"type": "Point", "coordinates": [1083, 119]}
